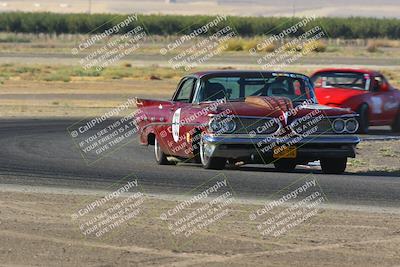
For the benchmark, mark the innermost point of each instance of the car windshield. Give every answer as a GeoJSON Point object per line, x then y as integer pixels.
{"type": "Point", "coordinates": [350, 80]}
{"type": "Point", "coordinates": [293, 86]}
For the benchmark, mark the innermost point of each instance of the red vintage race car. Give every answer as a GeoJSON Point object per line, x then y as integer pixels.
{"type": "Point", "coordinates": [364, 91]}
{"type": "Point", "coordinates": [245, 117]}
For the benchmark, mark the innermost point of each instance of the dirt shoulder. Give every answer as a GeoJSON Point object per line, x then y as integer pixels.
{"type": "Point", "coordinates": [37, 229]}
{"type": "Point", "coordinates": [377, 157]}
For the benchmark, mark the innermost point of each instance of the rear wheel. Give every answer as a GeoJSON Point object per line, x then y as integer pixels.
{"type": "Point", "coordinates": [333, 165]}
{"type": "Point", "coordinates": [363, 119]}
{"type": "Point", "coordinates": [396, 123]}
{"type": "Point", "coordinates": [160, 156]}
{"type": "Point", "coordinates": [285, 165]}
{"type": "Point", "coordinates": [214, 163]}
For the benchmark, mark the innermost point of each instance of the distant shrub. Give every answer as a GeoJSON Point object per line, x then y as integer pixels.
{"type": "Point", "coordinates": [235, 44]}
{"type": "Point", "coordinates": [80, 72]}
{"type": "Point", "coordinates": [292, 47]}
{"type": "Point", "coordinates": [53, 77]}
{"type": "Point", "coordinates": [316, 46]}
{"type": "Point", "coordinates": [372, 47]}
{"type": "Point", "coordinates": [255, 43]}
{"type": "Point", "coordinates": [269, 48]}
{"type": "Point", "coordinates": [14, 39]}
{"type": "Point", "coordinates": [250, 44]}
{"type": "Point", "coordinates": [385, 43]}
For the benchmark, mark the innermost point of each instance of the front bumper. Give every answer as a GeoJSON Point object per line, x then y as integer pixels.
{"type": "Point", "coordinates": [260, 148]}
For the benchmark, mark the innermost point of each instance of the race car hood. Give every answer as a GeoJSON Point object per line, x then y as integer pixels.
{"type": "Point", "coordinates": [276, 107]}
{"type": "Point", "coordinates": [271, 107]}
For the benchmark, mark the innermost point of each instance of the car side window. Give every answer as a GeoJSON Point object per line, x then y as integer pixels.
{"type": "Point", "coordinates": [185, 92]}
{"type": "Point", "coordinates": [378, 80]}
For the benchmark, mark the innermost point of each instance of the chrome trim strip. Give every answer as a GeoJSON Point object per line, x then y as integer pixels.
{"type": "Point", "coordinates": [245, 139]}
{"type": "Point", "coordinates": [344, 116]}
{"type": "Point", "coordinates": [245, 117]}
{"type": "Point", "coordinates": [170, 123]}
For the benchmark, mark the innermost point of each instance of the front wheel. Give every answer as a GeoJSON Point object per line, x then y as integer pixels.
{"type": "Point", "coordinates": [396, 123]}
{"type": "Point", "coordinates": [214, 163]}
{"type": "Point", "coordinates": [333, 165]}
{"type": "Point", "coordinates": [160, 156]}
{"type": "Point", "coordinates": [285, 165]}
{"type": "Point", "coordinates": [363, 119]}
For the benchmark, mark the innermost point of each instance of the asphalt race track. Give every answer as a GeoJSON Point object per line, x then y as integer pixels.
{"type": "Point", "coordinates": [40, 152]}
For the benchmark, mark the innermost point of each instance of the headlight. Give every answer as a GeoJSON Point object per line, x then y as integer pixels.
{"type": "Point", "coordinates": [339, 125]}
{"type": "Point", "coordinates": [352, 125]}
{"type": "Point", "coordinates": [222, 125]}
{"type": "Point", "coordinates": [345, 125]}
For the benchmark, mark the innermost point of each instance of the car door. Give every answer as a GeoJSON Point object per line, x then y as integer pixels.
{"type": "Point", "coordinates": [383, 102]}
{"type": "Point", "coordinates": [391, 105]}
{"type": "Point", "coordinates": [174, 136]}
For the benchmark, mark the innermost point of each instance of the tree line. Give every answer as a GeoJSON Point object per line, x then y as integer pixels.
{"type": "Point", "coordinates": [348, 28]}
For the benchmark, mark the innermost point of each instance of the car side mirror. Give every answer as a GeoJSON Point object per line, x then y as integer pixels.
{"type": "Point", "coordinates": [384, 87]}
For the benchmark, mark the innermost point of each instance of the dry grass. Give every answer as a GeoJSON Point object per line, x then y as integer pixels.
{"type": "Point", "coordinates": [245, 44]}
{"type": "Point", "coordinates": [373, 47]}
{"type": "Point", "coordinates": [384, 43]}
{"type": "Point", "coordinates": [36, 72]}
{"type": "Point", "coordinates": [62, 44]}
{"type": "Point", "coordinates": [125, 71]}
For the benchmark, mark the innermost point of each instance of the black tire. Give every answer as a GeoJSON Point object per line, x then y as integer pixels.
{"type": "Point", "coordinates": [213, 163]}
{"type": "Point", "coordinates": [396, 124]}
{"type": "Point", "coordinates": [196, 147]}
{"type": "Point", "coordinates": [363, 119]}
{"type": "Point", "coordinates": [285, 165]}
{"type": "Point", "coordinates": [333, 165]}
{"type": "Point", "coordinates": [160, 156]}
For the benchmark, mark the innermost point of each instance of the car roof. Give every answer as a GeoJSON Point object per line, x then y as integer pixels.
{"type": "Point", "coordinates": [203, 74]}
{"type": "Point", "coordinates": [357, 70]}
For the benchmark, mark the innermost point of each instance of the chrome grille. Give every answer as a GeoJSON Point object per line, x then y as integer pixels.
{"type": "Point", "coordinates": [312, 126]}
{"type": "Point", "coordinates": [256, 125]}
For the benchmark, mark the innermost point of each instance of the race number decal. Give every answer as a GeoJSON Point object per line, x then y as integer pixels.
{"type": "Point", "coordinates": [175, 124]}
{"type": "Point", "coordinates": [376, 105]}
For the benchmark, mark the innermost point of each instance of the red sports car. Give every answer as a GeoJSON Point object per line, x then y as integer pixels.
{"type": "Point", "coordinates": [364, 91]}
{"type": "Point", "coordinates": [244, 117]}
